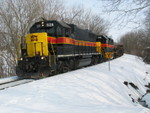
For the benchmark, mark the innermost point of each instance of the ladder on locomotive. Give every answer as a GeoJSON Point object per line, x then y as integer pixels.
{"type": "Point", "coordinates": [52, 56]}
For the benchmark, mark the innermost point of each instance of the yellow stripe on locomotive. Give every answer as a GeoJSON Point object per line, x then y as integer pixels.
{"type": "Point", "coordinates": [37, 44]}
{"type": "Point", "coordinates": [98, 47]}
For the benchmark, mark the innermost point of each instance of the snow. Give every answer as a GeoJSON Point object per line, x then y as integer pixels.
{"type": "Point", "coordinates": [14, 83]}
{"type": "Point", "coordinates": [94, 89]}
{"type": "Point", "coordinates": [147, 99]}
{"type": "Point", "coordinates": [8, 79]}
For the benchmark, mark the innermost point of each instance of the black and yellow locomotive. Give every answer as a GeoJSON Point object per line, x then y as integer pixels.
{"type": "Point", "coordinates": [54, 47]}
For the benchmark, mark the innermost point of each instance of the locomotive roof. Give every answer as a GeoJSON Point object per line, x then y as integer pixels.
{"type": "Point", "coordinates": [103, 36]}
{"type": "Point", "coordinates": [77, 27]}
{"type": "Point", "coordinates": [63, 24]}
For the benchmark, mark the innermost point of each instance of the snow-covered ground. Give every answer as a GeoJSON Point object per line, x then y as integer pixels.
{"type": "Point", "coordinates": [95, 89]}
{"type": "Point", "coordinates": [8, 79]}
{"type": "Point", "coordinates": [147, 99]}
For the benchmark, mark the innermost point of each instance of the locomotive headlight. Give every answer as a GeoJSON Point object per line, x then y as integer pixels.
{"type": "Point", "coordinates": [42, 58]}
{"type": "Point", "coordinates": [42, 24]}
{"type": "Point", "coordinates": [21, 58]}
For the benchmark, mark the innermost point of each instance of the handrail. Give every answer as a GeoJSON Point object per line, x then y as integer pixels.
{"type": "Point", "coordinates": [53, 53]}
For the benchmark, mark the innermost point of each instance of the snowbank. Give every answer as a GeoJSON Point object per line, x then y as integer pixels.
{"type": "Point", "coordinates": [95, 89]}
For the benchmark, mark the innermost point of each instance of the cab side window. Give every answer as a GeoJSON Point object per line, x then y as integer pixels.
{"type": "Point", "coordinates": [59, 31]}
{"type": "Point", "coordinates": [50, 31]}
{"type": "Point", "coordinates": [67, 32]}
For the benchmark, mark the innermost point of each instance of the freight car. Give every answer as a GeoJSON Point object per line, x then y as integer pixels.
{"type": "Point", "coordinates": [118, 50]}
{"type": "Point", "coordinates": [55, 47]}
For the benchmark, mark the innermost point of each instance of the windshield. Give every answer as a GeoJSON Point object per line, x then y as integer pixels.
{"type": "Point", "coordinates": [50, 31]}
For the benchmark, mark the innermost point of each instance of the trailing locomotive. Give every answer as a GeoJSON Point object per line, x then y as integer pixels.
{"type": "Point", "coordinates": [107, 47]}
{"type": "Point", "coordinates": [54, 47]}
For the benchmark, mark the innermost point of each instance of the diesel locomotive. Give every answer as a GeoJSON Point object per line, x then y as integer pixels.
{"type": "Point", "coordinates": [54, 47]}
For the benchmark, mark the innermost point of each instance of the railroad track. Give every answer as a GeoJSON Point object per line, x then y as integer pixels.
{"type": "Point", "coordinates": [14, 83]}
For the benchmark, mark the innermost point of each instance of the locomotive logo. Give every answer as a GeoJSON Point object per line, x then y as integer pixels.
{"type": "Point", "coordinates": [34, 38]}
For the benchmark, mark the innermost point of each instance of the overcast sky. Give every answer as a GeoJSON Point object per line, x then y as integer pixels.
{"type": "Point", "coordinates": [116, 30]}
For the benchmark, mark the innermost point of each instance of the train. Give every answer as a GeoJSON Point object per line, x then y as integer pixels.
{"type": "Point", "coordinates": [54, 47]}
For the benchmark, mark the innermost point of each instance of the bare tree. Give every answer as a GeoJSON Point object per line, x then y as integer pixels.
{"type": "Point", "coordinates": [98, 25]}
{"type": "Point", "coordinates": [16, 16]}
{"type": "Point", "coordinates": [126, 11]}
{"type": "Point", "coordinates": [147, 23]}
{"type": "Point", "coordinates": [86, 20]}
{"type": "Point", "coordinates": [134, 42]}
{"type": "Point", "coordinates": [140, 4]}
{"type": "Point", "coordinates": [74, 15]}
{"type": "Point", "coordinates": [146, 50]}
{"type": "Point", "coordinates": [52, 9]}
{"type": "Point", "coordinates": [1, 67]}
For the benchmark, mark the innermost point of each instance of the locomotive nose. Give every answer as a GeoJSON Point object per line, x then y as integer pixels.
{"type": "Point", "coordinates": [37, 44]}
{"type": "Point", "coordinates": [31, 67]}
